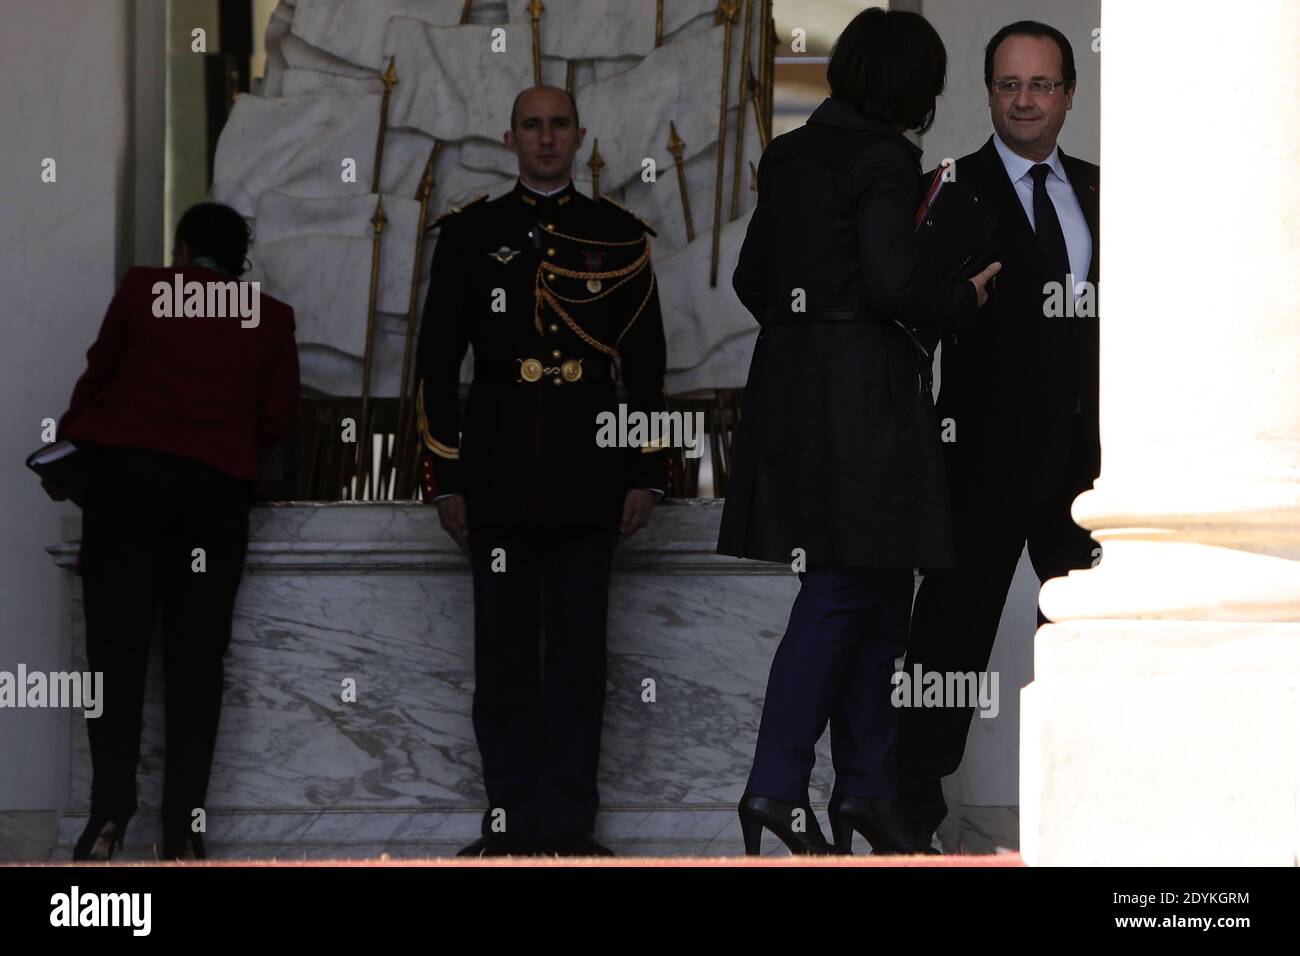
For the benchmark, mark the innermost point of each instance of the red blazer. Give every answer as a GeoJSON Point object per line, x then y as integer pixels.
{"type": "Point", "coordinates": [204, 388]}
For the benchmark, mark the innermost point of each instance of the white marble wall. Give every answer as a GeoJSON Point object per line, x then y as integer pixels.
{"type": "Point", "coordinates": [65, 98]}
{"type": "Point", "coordinates": [378, 593]}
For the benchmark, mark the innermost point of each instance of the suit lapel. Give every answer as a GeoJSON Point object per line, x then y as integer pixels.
{"type": "Point", "coordinates": [991, 184]}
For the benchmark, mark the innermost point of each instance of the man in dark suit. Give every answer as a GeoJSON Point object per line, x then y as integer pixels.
{"type": "Point", "coordinates": [1018, 398]}
{"type": "Point", "coordinates": [556, 293]}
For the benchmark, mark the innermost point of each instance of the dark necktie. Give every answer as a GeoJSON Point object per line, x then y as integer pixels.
{"type": "Point", "coordinates": [1048, 226]}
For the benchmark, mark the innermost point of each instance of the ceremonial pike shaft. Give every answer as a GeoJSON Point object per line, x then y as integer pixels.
{"type": "Point", "coordinates": [676, 147]}
{"type": "Point", "coordinates": [727, 10]}
{"type": "Point", "coordinates": [746, 85]}
{"type": "Point", "coordinates": [379, 220]}
{"type": "Point", "coordinates": [390, 80]}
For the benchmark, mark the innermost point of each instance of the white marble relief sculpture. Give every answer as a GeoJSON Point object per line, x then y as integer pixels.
{"type": "Point", "coordinates": [587, 29]}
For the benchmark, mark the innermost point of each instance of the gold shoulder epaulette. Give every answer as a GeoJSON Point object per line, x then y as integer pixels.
{"type": "Point", "coordinates": [619, 206]}
{"type": "Point", "coordinates": [455, 210]}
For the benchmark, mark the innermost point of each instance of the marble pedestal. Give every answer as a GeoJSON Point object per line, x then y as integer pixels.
{"type": "Point", "coordinates": [379, 594]}
{"type": "Point", "coordinates": [1171, 743]}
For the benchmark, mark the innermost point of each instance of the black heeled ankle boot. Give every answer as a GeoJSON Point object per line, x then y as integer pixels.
{"type": "Point", "coordinates": [779, 816]}
{"type": "Point", "coordinates": [101, 837]}
{"type": "Point", "coordinates": [881, 821]}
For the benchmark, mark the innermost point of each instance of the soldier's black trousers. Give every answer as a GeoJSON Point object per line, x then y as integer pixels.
{"type": "Point", "coordinates": [145, 514]}
{"type": "Point", "coordinates": [539, 674]}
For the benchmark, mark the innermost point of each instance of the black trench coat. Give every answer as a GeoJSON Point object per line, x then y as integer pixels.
{"type": "Point", "coordinates": [838, 451]}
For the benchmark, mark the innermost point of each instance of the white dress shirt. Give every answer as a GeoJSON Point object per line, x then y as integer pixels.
{"type": "Point", "coordinates": [545, 192]}
{"type": "Point", "coordinates": [1078, 240]}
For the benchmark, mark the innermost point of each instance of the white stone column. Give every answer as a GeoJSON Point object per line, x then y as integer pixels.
{"type": "Point", "coordinates": [1163, 724]}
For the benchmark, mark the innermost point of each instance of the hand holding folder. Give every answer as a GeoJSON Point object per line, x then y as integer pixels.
{"type": "Point", "coordinates": [62, 470]}
{"type": "Point", "coordinates": [955, 231]}
{"type": "Point", "coordinates": [955, 239]}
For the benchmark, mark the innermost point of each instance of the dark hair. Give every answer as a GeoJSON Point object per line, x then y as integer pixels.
{"type": "Point", "coordinates": [891, 66]}
{"type": "Point", "coordinates": [218, 232]}
{"type": "Point", "coordinates": [514, 108]}
{"type": "Point", "coordinates": [1031, 28]}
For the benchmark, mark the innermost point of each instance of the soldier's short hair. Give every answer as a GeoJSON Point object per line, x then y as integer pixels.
{"type": "Point", "coordinates": [514, 109]}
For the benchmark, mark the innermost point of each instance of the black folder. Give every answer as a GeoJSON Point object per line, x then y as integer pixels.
{"type": "Point", "coordinates": [62, 464]}
{"type": "Point", "coordinates": [955, 230]}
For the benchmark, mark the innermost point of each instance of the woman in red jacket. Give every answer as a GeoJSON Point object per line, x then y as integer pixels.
{"type": "Point", "coordinates": [193, 376]}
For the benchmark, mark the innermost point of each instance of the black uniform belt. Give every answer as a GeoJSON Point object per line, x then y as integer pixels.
{"type": "Point", "coordinates": [775, 316]}
{"type": "Point", "coordinates": [528, 370]}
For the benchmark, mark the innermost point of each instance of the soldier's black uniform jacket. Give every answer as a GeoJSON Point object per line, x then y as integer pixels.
{"type": "Point", "coordinates": [557, 296]}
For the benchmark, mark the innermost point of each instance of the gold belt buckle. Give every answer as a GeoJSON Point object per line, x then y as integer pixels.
{"type": "Point", "coordinates": [530, 369]}
{"type": "Point", "coordinates": [571, 369]}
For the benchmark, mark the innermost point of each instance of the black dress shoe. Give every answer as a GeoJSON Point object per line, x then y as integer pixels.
{"type": "Point", "coordinates": [575, 844]}
{"type": "Point", "coordinates": [101, 837]}
{"type": "Point", "coordinates": [881, 821]}
{"type": "Point", "coordinates": [923, 807]}
{"type": "Point", "coordinates": [779, 817]}
{"type": "Point", "coordinates": [186, 845]}
{"type": "Point", "coordinates": [499, 844]}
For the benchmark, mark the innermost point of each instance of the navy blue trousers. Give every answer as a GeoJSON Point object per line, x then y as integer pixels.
{"type": "Point", "coordinates": [539, 675]}
{"type": "Point", "coordinates": [835, 662]}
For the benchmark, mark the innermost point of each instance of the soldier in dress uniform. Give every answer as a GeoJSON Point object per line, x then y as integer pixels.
{"type": "Point", "coordinates": [557, 296]}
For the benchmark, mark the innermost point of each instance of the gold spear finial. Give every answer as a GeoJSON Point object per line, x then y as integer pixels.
{"type": "Point", "coordinates": [535, 9]}
{"type": "Point", "coordinates": [426, 181]}
{"type": "Point", "coordinates": [675, 144]}
{"type": "Point", "coordinates": [390, 74]}
{"type": "Point", "coordinates": [595, 164]}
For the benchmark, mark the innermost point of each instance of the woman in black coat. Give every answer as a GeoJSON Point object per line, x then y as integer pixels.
{"type": "Point", "coordinates": [838, 465]}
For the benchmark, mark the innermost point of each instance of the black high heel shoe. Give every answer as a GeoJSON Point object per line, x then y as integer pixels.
{"type": "Point", "coordinates": [101, 837]}
{"type": "Point", "coordinates": [881, 822]}
{"type": "Point", "coordinates": [778, 816]}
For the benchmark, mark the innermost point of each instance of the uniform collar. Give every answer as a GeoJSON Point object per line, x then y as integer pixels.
{"type": "Point", "coordinates": [532, 198]}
